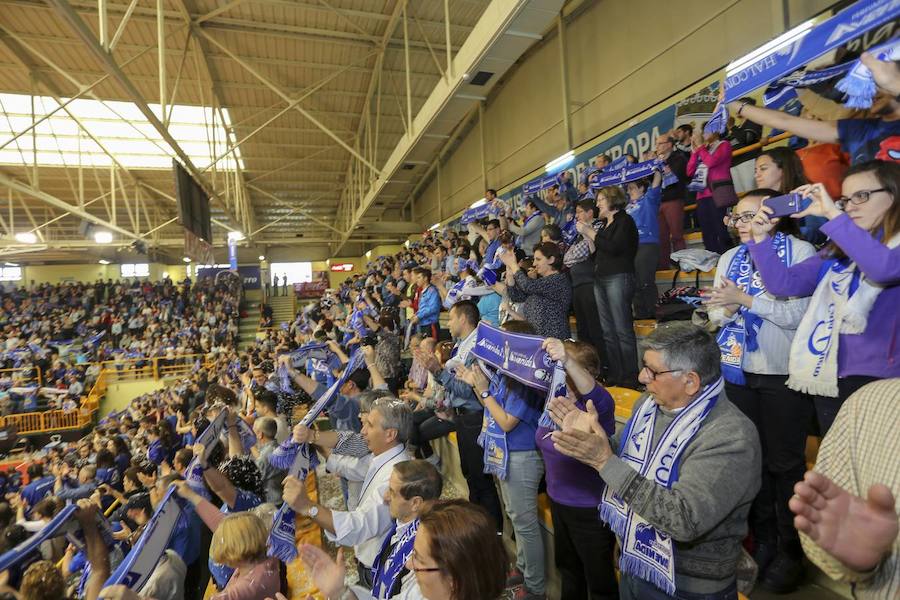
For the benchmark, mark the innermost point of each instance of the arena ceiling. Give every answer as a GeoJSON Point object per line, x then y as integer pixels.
{"type": "Point", "coordinates": [308, 122]}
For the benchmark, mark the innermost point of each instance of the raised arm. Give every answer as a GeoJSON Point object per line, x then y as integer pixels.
{"type": "Point", "coordinates": [820, 131]}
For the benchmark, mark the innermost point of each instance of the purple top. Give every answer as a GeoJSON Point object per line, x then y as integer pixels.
{"type": "Point", "coordinates": [571, 482]}
{"type": "Point", "coordinates": [873, 352]}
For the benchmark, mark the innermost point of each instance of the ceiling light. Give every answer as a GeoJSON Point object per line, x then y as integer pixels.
{"type": "Point", "coordinates": [186, 259]}
{"type": "Point", "coordinates": [103, 261]}
{"type": "Point", "coordinates": [369, 254]}
{"type": "Point", "coordinates": [435, 226]}
{"type": "Point", "coordinates": [11, 264]}
{"type": "Point", "coordinates": [771, 47]}
{"type": "Point", "coordinates": [478, 203]}
{"type": "Point", "coordinates": [261, 257]}
{"type": "Point", "coordinates": [103, 237]}
{"type": "Point", "coordinates": [165, 274]}
{"type": "Point", "coordinates": [235, 236]}
{"type": "Point", "coordinates": [559, 161]}
{"type": "Point", "coordinates": [26, 237]}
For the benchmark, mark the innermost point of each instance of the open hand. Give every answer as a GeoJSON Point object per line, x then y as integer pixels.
{"type": "Point", "coordinates": [582, 438]}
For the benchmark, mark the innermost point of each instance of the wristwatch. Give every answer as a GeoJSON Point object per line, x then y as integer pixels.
{"type": "Point", "coordinates": [312, 511]}
{"type": "Point", "coordinates": [485, 394]}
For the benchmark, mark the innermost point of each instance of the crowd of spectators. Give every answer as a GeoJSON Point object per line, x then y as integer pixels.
{"type": "Point", "coordinates": [55, 338]}
{"type": "Point", "coordinates": [797, 336]}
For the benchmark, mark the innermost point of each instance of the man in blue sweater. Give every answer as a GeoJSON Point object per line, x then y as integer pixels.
{"type": "Point", "coordinates": [427, 304]}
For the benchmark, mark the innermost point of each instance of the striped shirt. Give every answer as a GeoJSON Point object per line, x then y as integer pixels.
{"type": "Point", "coordinates": [861, 449]}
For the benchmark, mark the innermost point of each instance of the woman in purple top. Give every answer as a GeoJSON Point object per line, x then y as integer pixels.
{"type": "Point", "coordinates": [848, 336]}
{"type": "Point", "coordinates": [583, 544]}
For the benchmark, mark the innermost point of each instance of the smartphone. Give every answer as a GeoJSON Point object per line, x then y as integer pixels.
{"type": "Point", "coordinates": [787, 204]}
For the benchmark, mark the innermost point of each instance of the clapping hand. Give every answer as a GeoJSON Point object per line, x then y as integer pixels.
{"type": "Point", "coordinates": [858, 532]}
{"type": "Point", "coordinates": [727, 295]}
{"type": "Point", "coordinates": [327, 574]}
{"type": "Point", "coordinates": [582, 438]}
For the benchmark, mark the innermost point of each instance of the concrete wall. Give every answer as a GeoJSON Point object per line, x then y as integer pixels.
{"type": "Point", "coordinates": [118, 395]}
{"type": "Point", "coordinates": [91, 272]}
{"type": "Point", "coordinates": [623, 57]}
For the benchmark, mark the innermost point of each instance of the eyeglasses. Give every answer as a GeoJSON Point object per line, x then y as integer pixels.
{"type": "Point", "coordinates": [745, 217]}
{"type": "Point", "coordinates": [655, 374]}
{"type": "Point", "coordinates": [857, 198]}
{"type": "Point", "coordinates": [414, 558]}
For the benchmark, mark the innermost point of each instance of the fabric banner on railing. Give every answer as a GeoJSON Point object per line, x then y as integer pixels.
{"type": "Point", "coordinates": [848, 24]}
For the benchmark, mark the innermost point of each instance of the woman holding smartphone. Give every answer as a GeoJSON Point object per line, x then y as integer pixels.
{"type": "Point", "coordinates": [849, 334]}
{"type": "Point", "coordinates": [756, 329]}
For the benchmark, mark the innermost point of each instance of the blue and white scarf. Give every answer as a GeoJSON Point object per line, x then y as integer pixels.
{"type": "Point", "coordinates": [62, 523]}
{"type": "Point", "coordinates": [843, 27]}
{"type": "Point", "coordinates": [492, 437]}
{"type": "Point", "coordinates": [840, 305]}
{"type": "Point", "coordinates": [558, 387]}
{"type": "Point", "coordinates": [141, 561]}
{"type": "Point", "coordinates": [647, 553]}
{"type": "Point", "coordinates": [738, 337]}
{"type": "Point", "coordinates": [630, 172]}
{"type": "Point", "coordinates": [299, 460]}
{"type": "Point", "coordinates": [385, 576]}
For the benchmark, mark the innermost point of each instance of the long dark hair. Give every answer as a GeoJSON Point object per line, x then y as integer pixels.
{"type": "Point", "coordinates": [888, 175]}
{"type": "Point", "coordinates": [786, 225]}
{"type": "Point", "coordinates": [792, 174]}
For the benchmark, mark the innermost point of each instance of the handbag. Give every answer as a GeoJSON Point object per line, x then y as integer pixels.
{"type": "Point", "coordinates": [678, 302]}
{"type": "Point", "coordinates": [723, 193]}
{"type": "Point", "coordinates": [698, 181]}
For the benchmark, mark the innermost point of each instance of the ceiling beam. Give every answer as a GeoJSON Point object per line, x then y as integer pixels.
{"type": "Point", "coordinates": [68, 14]}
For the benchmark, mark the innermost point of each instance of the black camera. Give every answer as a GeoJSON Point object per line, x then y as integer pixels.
{"type": "Point", "coordinates": [370, 340]}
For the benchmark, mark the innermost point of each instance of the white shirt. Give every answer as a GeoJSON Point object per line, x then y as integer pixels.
{"type": "Point", "coordinates": [366, 522]}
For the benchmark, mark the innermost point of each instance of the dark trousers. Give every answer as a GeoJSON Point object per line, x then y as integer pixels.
{"type": "Point", "coordinates": [365, 575]}
{"type": "Point", "coordinates": [671, 231]}
{"type": "Point", "coordinates": [613, 294]}
{"type": "Point", "coordinates": [471, 459]}
{"type": "Point", "coordinates": [583, 548]}
{"type": "Point", "coordinates": [781, 416]}
{"type": "Point", "coordinates": [427, 427]}
{"type": "Point", "coordinates": [712, 226]}
{"type": "Point", "coordinates": [587, 319]}
{"type": "Point", "coordinates": [827, 408]}
{"type": "Point", "coordinates": [633, 588]}
{"type": "Point", "coordinates": [645, 271]}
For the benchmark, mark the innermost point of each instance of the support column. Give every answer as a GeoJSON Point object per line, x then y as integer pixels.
{"type": "Point", "coordinates": [564, 74]}
{"type": "Point", "coordinates": [484, 184]}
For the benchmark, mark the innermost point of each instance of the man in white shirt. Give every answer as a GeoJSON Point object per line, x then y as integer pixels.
{"type": "Point", "coordinates": [412, 485]}
{"type": "Point", "coordinates": [386, 428]}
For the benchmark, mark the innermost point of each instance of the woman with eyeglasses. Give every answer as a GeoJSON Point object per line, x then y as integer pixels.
{"type": "Point", "coordinates": [756, 329]}
{"type": "Point", "coordinates": [456, 556]}
{"type": "Point", "coordinates": [849, 334]}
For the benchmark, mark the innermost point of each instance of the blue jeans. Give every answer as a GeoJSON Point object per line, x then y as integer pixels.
{"type": "Point", "coordinates": [520, 491]}
{"type": "Point", "coordinates": [632, 588]}
{"type": "Point", "coordinates": [613, 294]}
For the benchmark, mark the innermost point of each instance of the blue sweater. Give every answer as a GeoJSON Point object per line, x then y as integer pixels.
{"type": "Point", "coordinates": [429, 306]}
{"type": "Point", "coordinates": [645, 213]}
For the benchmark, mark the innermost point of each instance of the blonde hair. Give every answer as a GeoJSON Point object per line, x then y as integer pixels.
{"type": "Point", "coordinates": [42, 581]}
{"type": "Point", "coordinates": [239, 538]}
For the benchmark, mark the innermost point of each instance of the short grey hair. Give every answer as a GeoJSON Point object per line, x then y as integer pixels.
{"type": "Point", "coordinates": [267, 426]}
{"type": "Point", "coordinates": [686, 347]}
{"type": "Point", "coordinates": [367, 397]}
{"type": "Point", "coordinates": [395, 414]}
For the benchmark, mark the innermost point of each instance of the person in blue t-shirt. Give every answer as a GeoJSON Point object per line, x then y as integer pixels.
{"type": "Point", "coordinates": [39, 486]}
{"type": "Point", "coordinates": [514, 410]}
{"type": "Point", "coordinates": [643, 206]}
{"type": "Point", "coordinates": [428, 308]}
{"type": "Point", "coordinates": [863, 139]}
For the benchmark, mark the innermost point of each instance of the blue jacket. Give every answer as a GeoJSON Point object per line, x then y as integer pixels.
{"type": "Point", "coordinates": [429, 306]}
{"type": "Point", "coordinates": [645, 213]}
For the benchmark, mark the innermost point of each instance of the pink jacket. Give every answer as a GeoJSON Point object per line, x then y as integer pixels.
{"type": "Point", "coordinates": [261, 581]}
{"type": "Point", "coordinates": [719, 164]}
